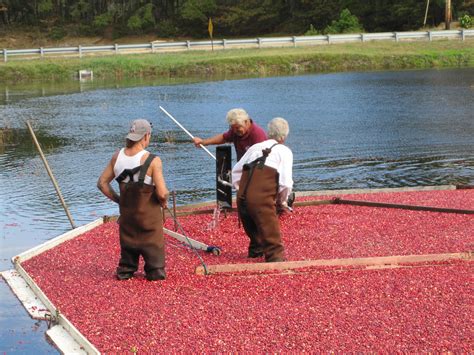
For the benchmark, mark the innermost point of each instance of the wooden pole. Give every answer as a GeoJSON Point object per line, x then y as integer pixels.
{"type": "Point", "coordinates": [369, 262]}
{"type": "Point", "coordinates": [50, 173]}
{"type": "Point", "coordinates": [426, 12]}
{"type": "Point", "coordinates": [448, 15]}
{"type": "Point", "coordinates": [340, 201]}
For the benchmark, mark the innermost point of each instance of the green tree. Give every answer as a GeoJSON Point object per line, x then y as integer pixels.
{"type": "Point", "coordinates": [142, 20]}
{"type": "Point", "coordinates": [195, 14]}
{"type": "Point", "coordinates": [347, 23]}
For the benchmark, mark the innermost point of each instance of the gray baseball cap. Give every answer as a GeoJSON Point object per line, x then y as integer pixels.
{"type": "Point", "coordinates": [138, 129]}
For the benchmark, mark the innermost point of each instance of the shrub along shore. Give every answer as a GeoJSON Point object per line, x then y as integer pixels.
{"type": "Point", "coordinates": [259, 62]}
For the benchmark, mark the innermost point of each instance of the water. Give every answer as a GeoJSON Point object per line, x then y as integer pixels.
{"type": "Point", "coordinates": [347, 130]}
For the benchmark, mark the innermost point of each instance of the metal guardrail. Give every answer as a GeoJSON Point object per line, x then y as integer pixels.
{"type": "Point", "coordinates": [229, 43]}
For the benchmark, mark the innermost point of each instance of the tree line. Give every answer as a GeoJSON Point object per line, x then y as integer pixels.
{"type": "Point", "coordinates": [177, 18]}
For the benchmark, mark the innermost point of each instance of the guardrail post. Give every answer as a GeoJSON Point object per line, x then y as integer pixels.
{"type": "Point", "coordinates": [116, 48]}
{"type": "Point", "coordinates": [329, 39]}
{"type": "Point", "coordinates": [294, 41]}
{"type": "Point", "coordinates": [5, 55]}
{"type": "Point", "coordinates": [152, 47]}
{"type": "Point", "coordinates": [224, 44]}
{"type": "Point", "coordinates": [396, 36]}
{"type": "Point", "coordinates": [188, 44]}
{"type": "Point", "coordinates": [430, 36]}
{"type": "Point", "coordinates": [362, 37]}
{"type": "Point", "coordinates": [463, 35]}
{"type": "Point", "coordinates": [259, 42]}
{"type": "Point", "coordinates": [41, 52]}
{"type": "Point", "coordinates": [80, 51]}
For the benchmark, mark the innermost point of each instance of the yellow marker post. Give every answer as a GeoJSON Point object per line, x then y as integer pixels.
{"type": "Point", "coordinates": [210, 29]}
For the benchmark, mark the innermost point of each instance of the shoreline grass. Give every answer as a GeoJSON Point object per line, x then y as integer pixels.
{"type": "Point", "coordinates": [259, 62]}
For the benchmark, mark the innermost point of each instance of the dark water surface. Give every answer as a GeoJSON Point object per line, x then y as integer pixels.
{"type": "Point", "coordinates": [347, 130]}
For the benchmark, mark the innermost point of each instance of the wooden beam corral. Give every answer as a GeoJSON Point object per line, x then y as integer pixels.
{"type": "Point", "coordinates": [372, 262]}
{"type": "Point", "coordinates": [340, 201]}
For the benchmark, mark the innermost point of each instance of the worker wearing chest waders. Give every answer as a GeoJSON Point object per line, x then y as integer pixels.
{"type": "Point", "coordinates": [243, 132]}
{"type": "Point", "coordinates": [263, 178]}
{"type": "Point", "coordinates": [143, 194]}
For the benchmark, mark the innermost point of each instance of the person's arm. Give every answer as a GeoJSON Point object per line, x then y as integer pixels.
{"type": "Point", "coordinates": [286, 177]}
{"type": "Point", "coordinates": [217, 139]}
{"type": "Point", "coordinates": [160, 185]}
{"type": "Point", "coordinates": [103, 184]}
{"type": "Point", "coordinates": [237, 174]}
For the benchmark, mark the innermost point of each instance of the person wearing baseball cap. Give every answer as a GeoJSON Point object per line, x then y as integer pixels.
{"type": "Point", "coordinates": [143, 195]}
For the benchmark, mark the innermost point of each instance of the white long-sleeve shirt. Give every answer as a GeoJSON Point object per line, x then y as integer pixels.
{"type": "Point", "coordinates": [280, 158]}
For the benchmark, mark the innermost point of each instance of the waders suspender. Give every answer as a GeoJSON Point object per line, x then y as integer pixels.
{"type": "Point", "coordinates": [257, 163]}
{"type": "Point", "coordinates": [130, 172]}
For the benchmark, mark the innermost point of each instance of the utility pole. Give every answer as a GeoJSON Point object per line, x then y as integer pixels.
{"type": "Point", "coordinates": [447, 19]}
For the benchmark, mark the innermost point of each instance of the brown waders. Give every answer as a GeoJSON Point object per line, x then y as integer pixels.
{"type": "Point", "coordinates": [141, 226]}
{"type": "Point", "coordinates": [256, 203]}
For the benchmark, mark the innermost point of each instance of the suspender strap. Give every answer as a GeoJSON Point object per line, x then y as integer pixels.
{"type": "Point", "coordinates": [144, 168]}
{"type": "Point", "coordinates": [259, 162]}
{"type": "Point", "coordinates": [127, 173]}
{"type": "Point", "coordinates": [131, 172]}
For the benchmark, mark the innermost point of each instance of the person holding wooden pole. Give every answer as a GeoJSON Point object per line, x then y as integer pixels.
{"type": "Point", "coordinates": [143, 196]}
{"type": "Point", "coordinates": [243, 132]}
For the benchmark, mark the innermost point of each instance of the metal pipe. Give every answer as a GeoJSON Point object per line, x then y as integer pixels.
{"type": "Point", "coordinates": [186, 131]}
{"type": "Point", "coordinates": [174, 210]}
{"type": "Point", "coordinates": [50, 173]}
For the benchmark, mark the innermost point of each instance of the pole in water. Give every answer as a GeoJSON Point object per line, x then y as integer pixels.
{"type": "Point", "coordinates": [50, 173]}
{"type": "Point", "coordinates": [186, 131]}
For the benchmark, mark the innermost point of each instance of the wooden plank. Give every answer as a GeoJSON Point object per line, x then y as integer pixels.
{"type": "Point", "coordinates": [376, 190]}
{"type": "Point", "coordinates": [370, 261]}
{"type": "Point", "coordinates": [35, 308]}
{"type": "Point", "coordinates": [313, 203]}
{"type": "Point", "coordinates": [340, 201]}
{"type": "Point", "coordinates": [188, 241]}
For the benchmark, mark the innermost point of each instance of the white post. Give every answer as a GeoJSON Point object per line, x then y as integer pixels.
{"type": "Point", "coordinates": [116, 48]}
{"type": "Point", "coordinates": [188, 45]}
{"type": "Point", "coordinates": [463, 35]}
{"type": "Point", "coordinates": [294, 41]}
{"type": "Point", "coordinates": [152, 48]}
{"type": "Point", "coordinates": [329, 39]}
{"type": "Point", "coordinates": [259, 43]}
{"type": "Point", "coordinates": [5, 55]}
{"type": "Point", "coordinates": [224, 44]}
{"type": "Point", "coordinates": [362, 38]}
{"type": "Point", "coordinates": [430, 35]}
{"type": "Point", "coordinates": [41, 52]}
{"type": "Point", "coordinates": [396, 36]}
{"type": "Point", "coordinates": [80, 51]}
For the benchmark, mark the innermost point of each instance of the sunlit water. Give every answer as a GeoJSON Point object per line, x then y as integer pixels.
{"type": "Point", "coordinates": [347, 130]}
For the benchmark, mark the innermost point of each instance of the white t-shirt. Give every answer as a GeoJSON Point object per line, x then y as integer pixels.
{"type": "Point", "coordinates": [129, 162]}
{"type": "Point", "coordinates": [280, 158]}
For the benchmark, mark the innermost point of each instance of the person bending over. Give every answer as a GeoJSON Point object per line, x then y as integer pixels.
{"type": "Point", "coordinates": [243, 132]}
{"type": "Point", "coordinates": [263, 178]}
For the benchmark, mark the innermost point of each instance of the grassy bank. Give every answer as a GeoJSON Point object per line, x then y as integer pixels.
{"type": "Point", "coordinates": [271, 61]}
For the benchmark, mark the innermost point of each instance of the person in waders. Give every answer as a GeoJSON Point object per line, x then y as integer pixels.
{"type": "Point", "coordinates": [243, 132]}
{"type": "Point", "coordinates": [263, 178]}
{"type": "Point", "coordinates": [143, 194]}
